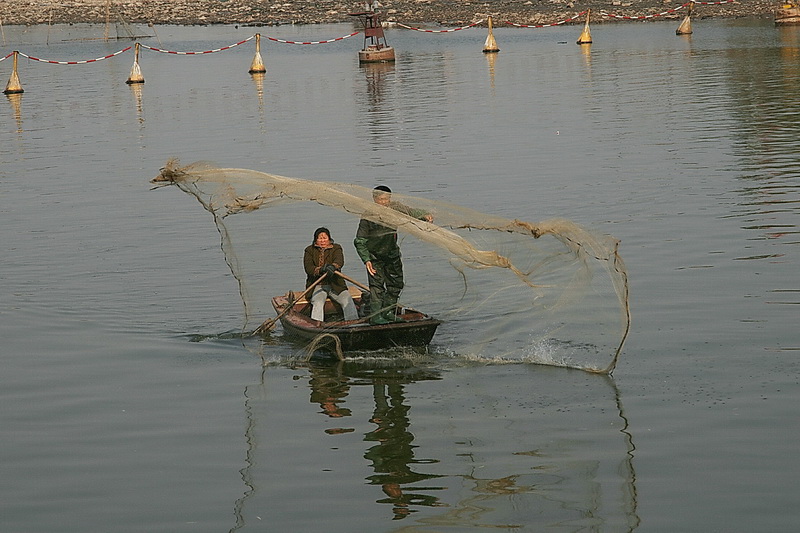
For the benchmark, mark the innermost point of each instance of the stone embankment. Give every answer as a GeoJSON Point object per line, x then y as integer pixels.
{"type": "Point", "coordinates": [277, 12]}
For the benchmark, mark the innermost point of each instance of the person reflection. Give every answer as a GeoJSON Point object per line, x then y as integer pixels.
{"type": "Point", "coordinates": [393, 454]}
{"type": "Point", "coordinates": [329, 389]}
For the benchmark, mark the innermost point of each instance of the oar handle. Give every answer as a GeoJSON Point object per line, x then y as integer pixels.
{"type": "Point", "coordinates": [351, 280]}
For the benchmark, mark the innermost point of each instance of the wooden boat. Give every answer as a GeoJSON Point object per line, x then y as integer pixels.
{"type": "Point", "coordinates": [788, 13]}
{"type": "Point", "coordinates": [413, 329]}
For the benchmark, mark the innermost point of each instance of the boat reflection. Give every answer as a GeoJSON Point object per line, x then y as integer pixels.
{"type": "Point", "coordinates": [496, 447]}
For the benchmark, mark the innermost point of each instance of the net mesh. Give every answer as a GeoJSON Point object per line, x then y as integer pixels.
{"type": "Point", "coordinates": [550, 292]}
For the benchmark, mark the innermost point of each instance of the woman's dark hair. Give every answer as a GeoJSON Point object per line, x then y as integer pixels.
{"type": "Point", "coordinates": [322, 230]}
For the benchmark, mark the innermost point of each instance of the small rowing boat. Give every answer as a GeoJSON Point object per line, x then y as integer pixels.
{"type": "Point", "coordinates": [412, 327]}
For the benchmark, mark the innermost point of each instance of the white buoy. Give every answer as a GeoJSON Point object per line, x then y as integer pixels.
{"type": "Point", "coordinates": [14, 86]}
{"type": "Point", "coordinates": [257, 66]}
{"type": "Point", "coordinates": [586, 35]}
{"type": "Point", "coordinates": [136, 72]}
{"type": "Point", "coordinates": [490, 46]}
{"type": "Point", "coordinates": [686, 26]}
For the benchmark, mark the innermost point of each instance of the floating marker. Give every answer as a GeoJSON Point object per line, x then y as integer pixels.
{"type": "Point", "coordinates": [14, 86]}
{"type": "Point", "coordinates": [490, 46]}
{"type": "Point", "coordinates": [257, 66]}
{"type": "Point", "coordinates": [686, 26]}
{"type": "Point", "coordinates": [136, 72]}
{"type": "Point", "coordinates": [586, 35]}
{"type": "Point", "coordinates": [376, 49]}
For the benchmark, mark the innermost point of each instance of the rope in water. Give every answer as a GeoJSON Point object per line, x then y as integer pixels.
{"type": "Point", "coordinates": [336, 39]}
{"type": "Point", "coordinates": [53, 62]}
{"type": "Point", "coordinates": [439, 31]}
{"type": "Point", "coordinates": [314, 42]}
{"type": "Point", "coordinates": [215, 50]}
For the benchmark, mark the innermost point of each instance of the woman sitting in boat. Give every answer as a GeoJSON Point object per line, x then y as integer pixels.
{"type": "Point", "coordinates": [324, 257]}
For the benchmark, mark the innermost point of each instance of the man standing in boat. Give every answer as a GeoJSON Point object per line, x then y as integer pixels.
{"type": "Point", "coordinates": [377, 247]}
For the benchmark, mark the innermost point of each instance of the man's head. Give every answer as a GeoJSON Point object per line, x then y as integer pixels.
{"type": "Point", "coordinates": [382, 195]}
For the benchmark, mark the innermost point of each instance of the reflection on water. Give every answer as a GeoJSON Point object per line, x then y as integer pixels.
{"type": "Point", "coordinates": [491, 59]}
{"type": "Point", "coordinates": [258, 80]}
{"type": "Point", "coordinates": [684, 148]}
{"type": "Point", "coordinates": [16, 108]}
{"type": "Point", "coordinates": [764, 83]}
{"type": "Point", "coordinates": [137, 90]}
{"type": "Point", "coordinates": [392, 456]}
{"type": "Point", "coordinates": [376, 104]}
{"type": "Point", "coordinates": [474, 458]}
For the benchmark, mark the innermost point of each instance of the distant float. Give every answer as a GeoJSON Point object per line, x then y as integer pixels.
{"type": "Point", "coordinates": [375, 50]}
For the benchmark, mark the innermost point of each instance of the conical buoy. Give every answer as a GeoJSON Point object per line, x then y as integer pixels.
{"type": "Point", "coordinates": [257, 66]}
{"type": "Point", "coordinates": [686, 26]}
{"type": "Point", "coordinates": [136, 72]}
{"type": "Point", "coordinates": [14, 86]}
{"type": "Point", "coordinates": [586, 35]}
{"type": "Point", "coordinates": [490, 46]}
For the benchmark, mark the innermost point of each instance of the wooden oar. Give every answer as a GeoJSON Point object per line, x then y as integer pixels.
{"type": "Point", "coordinates": [351, 280]}
{"type": "Point", "coordinates": [269, 324]}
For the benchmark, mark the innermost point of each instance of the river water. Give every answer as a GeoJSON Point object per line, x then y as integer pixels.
{"type": "Point", "coordinates": [126, 407]}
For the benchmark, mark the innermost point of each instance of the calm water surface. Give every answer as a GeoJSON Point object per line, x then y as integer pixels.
{"type": "Point", "coordinates": [127, 407]}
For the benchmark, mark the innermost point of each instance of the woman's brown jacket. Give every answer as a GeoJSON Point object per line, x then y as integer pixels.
{"type": "Point", "coordinates": [315, 258]}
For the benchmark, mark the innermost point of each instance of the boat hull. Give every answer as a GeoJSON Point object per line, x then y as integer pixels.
{"type": "Point", "coordinates": [414, 329]}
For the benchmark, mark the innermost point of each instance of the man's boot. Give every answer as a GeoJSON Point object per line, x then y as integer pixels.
{"type": "Point", "coordinates": [376, 316]}
{"type": "Point", "coordinates": [390, 310]}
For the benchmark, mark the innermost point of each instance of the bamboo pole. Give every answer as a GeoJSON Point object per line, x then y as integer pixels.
{"type": "Point", "coordinates": [108, 20]}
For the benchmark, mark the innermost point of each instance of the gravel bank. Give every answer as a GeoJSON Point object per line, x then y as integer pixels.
{"type": "Point", "coordinates": [271, 13]}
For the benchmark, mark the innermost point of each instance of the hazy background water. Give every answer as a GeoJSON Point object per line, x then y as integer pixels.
{"type": "Point", "coordinates": [115, 419]}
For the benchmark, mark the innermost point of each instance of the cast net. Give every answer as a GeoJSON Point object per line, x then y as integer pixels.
{"type": "Point", "coordinates": [507, 290]}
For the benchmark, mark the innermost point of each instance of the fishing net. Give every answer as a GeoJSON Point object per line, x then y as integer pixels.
{"type": "Point", "coordinates": [550, 292]}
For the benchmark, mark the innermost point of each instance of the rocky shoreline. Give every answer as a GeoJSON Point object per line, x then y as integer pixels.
{"type": "Point", "coordinates": [278, 12]}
